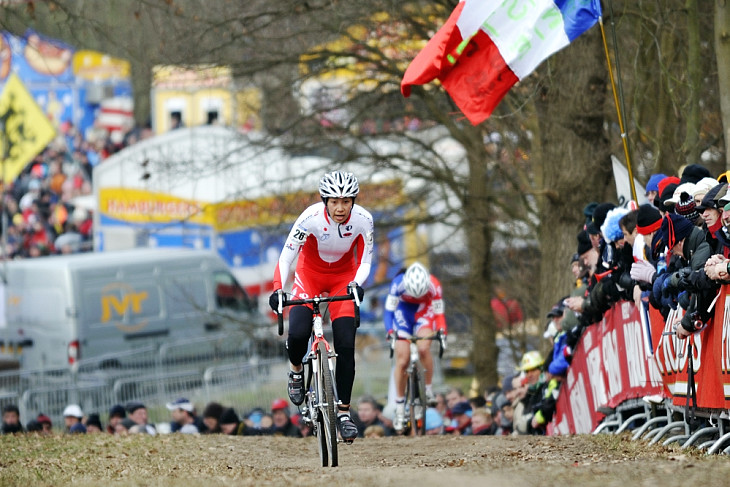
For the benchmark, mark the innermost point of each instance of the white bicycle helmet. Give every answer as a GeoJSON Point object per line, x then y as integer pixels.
{"type": "Point", "coordinates": [416, 280]}
{"type": "Point", "coordinates": [338, 184]}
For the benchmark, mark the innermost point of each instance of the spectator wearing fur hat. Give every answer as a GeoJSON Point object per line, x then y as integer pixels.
{"type": "Point", "coordinates": [693, 173]}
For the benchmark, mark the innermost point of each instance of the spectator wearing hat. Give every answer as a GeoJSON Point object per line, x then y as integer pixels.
{"type": "Point", "coordinates": [93, 423]}
{"type": "Point", "coordinates": [531, 381]}
{"type": "Point", "coordinates": [648, 223]}
{"type": "Point", "coordinates": [137, 412]}
{"type": "Point", "coordinates": [282, 423]}
{"type": "Point", "coordinates": [211, 416]}
{"type": "Point", "coordinates": [685, 282]}
{"type": "Point", "coordinates": [554, 316]}
{"type": "Point", "coordinates": [11, 420]}
{"type": "Point", "coordinates": [116, 414]}
{"type": "Point", "coordinates": [434, 422]}
{"type": "Point", "coordinates": [594, 226]}
{"type": "Point", "coordinates": [45, 423]}
{"type": "Point", "coordinates": [693, 173]}
{"type": "Point", "coordinates": [710, 211]}
{"type": "Point", "coordinates": [229, 422]}
{"type": "Point", "coordinates": [460, 419]}
{"type": "Point", "coordinates": [652, 186]}
{"type": "Point", "coordinates": [702, 187]}
{"type": "Point", "coordinates": [504, 415]}
{"type": "Point", "coordinates": [184, 419]}
{"type": "Point", "coordinates": [611, 280]}
{"type": "Point", "coordinates": [685, 206]}
{"type": "Point", "coordinates": [666, 190]}
{"type": "Point", "coordinates": [72, 416]}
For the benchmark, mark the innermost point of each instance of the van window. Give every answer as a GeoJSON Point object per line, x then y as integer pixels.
{"type": "Point", "coordinates": [185, 295]}
{"type": "Point", "coordinates": [229, 294]}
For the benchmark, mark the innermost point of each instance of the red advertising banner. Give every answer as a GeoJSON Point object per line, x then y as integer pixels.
{"type": "Point", "coordinates": [610, 365]}
{"type": "Point", "coordinates": [721, 334]}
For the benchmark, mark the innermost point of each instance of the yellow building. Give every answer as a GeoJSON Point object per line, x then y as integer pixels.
{"type": "Point", "coordinates": [189, 96]}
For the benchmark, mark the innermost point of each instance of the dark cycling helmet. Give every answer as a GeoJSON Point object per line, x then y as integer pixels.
{"type": "Point", "coordinates": [338, 184]}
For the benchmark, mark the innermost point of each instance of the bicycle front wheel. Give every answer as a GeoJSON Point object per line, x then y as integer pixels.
{"type": "Point", "coordinates": [327, 407]}
{"type": "Point", "coordinates": [417, 403]}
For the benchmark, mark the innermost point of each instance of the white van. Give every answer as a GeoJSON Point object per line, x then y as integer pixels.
{"type": "Point", "coordinates": [62, 309]}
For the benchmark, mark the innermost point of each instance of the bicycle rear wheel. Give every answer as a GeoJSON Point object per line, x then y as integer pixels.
{"type": "Point", "coordinates": [327, 407]}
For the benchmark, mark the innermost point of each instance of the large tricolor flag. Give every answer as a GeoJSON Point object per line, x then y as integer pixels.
{"type": "Point", "coordinates": [486, 46]}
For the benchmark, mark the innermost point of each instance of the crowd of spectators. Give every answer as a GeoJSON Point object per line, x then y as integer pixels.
{"type": "Point", "coordinates": [670, 254]}
{"type": "Point", "coordinates": [43, 209]}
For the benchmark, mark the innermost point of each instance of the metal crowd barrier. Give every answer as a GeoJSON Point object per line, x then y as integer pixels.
{"type": "Point", "coordinates": [663, 422]}
{"type": "Point", "coordinates": [231, 372]}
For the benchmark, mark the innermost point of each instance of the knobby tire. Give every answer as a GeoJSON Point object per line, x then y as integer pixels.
{"type": "Point", "coordinates": [313, 399]}
{"type": "Point", "coordinates": [328, 413]}
{"type": "Point", "coordinates": [421, 401]}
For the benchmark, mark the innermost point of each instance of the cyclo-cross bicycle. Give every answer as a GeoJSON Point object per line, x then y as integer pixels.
{"type": "Point", "coordinates": [416, 401]}
{"type": "Point", "coordinates": [321, 399]}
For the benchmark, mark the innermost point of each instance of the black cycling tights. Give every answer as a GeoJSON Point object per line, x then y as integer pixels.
{"type": "Point", "coordinates": [343, 329]}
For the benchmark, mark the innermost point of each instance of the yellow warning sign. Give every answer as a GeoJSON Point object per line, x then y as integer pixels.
{"type": "Point", "coordinates": [24, 128]}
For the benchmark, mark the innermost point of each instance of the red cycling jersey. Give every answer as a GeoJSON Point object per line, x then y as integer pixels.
{"type": "Point", "coordinates": [331, 255]}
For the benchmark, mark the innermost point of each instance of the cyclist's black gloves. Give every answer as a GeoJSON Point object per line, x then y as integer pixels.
{"type": "Point", "coordinates": [274, 301]}
{"type": "Point", "coordinates": [360, 292]}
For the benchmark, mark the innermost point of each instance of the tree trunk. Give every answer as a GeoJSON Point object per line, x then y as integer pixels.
{"type": "Point", "coordinates": [479, 237]}
{"type": "Point", "coordinates": [575, 155]}
{"type": "Point", "coordinates": [722, 53]}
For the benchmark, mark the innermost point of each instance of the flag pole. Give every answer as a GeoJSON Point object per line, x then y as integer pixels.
{"type": "Point", "coordinates": [618, 97]}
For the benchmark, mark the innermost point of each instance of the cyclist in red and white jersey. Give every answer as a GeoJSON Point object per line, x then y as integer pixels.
{"type": "Point", "coordinates": [414, 306]}
{"type": "Point", "coordinates": [334, 242]}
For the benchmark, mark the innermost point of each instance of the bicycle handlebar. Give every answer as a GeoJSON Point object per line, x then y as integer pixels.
{"type": "Point", "coordinates": [413, 339]}
{"type": "Point", "coordinates": [316, 300]}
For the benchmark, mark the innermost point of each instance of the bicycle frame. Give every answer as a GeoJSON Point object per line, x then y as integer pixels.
{"type": "Point", "coordinates": [321, 399]}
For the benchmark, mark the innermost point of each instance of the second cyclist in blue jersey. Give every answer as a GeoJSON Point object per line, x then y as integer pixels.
{"type": "Point", "coordinates": [414, 306]}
